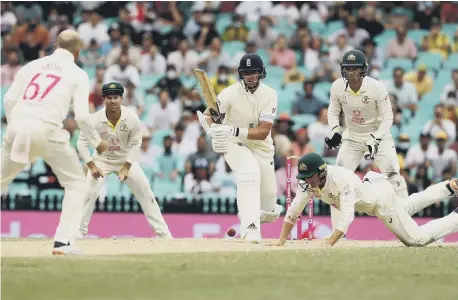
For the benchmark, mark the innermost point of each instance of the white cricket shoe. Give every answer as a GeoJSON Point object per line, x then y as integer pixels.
{"type": "Point", "coordinates": [454, 185]}
{"type": "Point", "coordinates": [65, 249]}
{"type": "Point", "coordinates": [252, 234]}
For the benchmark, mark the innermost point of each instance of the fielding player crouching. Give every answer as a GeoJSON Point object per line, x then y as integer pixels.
{"type": "Point", "coordinates": [120, 128]}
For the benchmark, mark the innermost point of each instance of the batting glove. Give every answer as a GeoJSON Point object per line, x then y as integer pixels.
{"type": "Point", "coordinates": [372, 146]}
{"type": "Point", "coordinates": [220, 144]}
{"type": "Point", "coordinates": [217, 130]}
{"type": "Point", "coordinates": [336, 138]}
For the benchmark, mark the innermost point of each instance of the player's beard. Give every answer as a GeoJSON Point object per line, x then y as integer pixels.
{"type": "Point", "coordinates": [251, 82]}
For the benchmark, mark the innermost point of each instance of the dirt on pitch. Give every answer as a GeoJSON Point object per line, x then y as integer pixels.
{"type": "Point", "coordinates": [43, 247]}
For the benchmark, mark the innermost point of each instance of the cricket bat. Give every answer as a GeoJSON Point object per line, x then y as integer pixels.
{"type": "Point", "coordinates": [209, 96]}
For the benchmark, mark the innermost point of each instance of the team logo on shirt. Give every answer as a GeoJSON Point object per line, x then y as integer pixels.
{"type": "Point", "coordinates": [124, 127]}
{"type": "Point", "coordinates": [366, 100]}
{"type": "Point", "coordinates": [251, 125]}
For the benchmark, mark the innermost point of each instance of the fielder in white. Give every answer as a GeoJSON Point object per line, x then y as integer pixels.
{"type": "Point", "coordinates": [374, 196]}
{"type": "Point", "coordinates": [250, 109]}
{"type": "Point", "coordinates": [120, 127]}
{"type": "Point", "coordinates": [36, 104]}
{"type": "Point", "coordinates": [366, 106]}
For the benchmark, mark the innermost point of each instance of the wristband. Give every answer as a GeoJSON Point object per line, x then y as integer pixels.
{"type": "Point", "coordinates": [242, 132]}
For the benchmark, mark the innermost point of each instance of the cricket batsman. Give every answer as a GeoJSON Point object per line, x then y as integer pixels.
{"type": "Point", "coordinates": [36, 104]}
{"type": "Point", "coordinates": [375, 196]}
{"type": "Point", "coordinates": [250, 108]}
{"type": "Point", "coordinates": [120, 127]}
{"type": "Point", "coordinates": [368, 119]}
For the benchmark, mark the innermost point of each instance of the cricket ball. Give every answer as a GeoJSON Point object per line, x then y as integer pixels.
{"type": "Point", "coordinates": [231, 232]}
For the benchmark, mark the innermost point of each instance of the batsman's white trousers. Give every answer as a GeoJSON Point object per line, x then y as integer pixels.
{"type": "Point", "coordinates": [396, 213]}
{"type": "Point", "coordinates": [140, 187]}
{"type": "Point", "coordinates": [52, 144]}
{"type": "Point", "coordinates": [257, 172]}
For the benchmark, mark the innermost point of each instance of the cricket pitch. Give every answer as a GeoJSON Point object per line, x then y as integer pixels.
{"type": "Point", "coordinates": [227, 269]}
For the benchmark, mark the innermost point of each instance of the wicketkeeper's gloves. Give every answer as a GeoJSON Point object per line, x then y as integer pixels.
{"type": "Point", "coordinates": [372, 146]}
{"type": "Point", "coordinates": [336, 138]}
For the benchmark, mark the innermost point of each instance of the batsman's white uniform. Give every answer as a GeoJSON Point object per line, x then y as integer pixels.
{"type": "Point", "coordinates": [124, 140]}
{"type": "Point", "coordinates": [36, 104]}
{"type": "Point", "coordinates": [375, 197]}
{"type": "Point", "coordinates": [366, 112]}
{"type": "Point", "coordinates": [251, 160]}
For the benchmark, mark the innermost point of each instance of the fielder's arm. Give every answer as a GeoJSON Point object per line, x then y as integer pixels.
{"type": "Point", "coordinates": [347, 210]}
{"type": "Point", "coordinates": [334, 108]}
{"type": "Point", "coordinates": [135, 142]}
{"type": "Point", "coordinates": [386, 112]}
{"type": "Point", "coordinates": [14, 92]}
{"type": "Point", "coordinates": [82, 145]}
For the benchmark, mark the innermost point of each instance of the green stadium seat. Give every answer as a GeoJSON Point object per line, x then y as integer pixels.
{"type": "Point", "coordinates": [317, 27]}
{"type": "Point", "coordinates": [18, 189]}
{"type": "Point", "coordinates": [90, 71]}
{"type": "Point", "coordinates": [385, 37]}
{"type": "Point", "coordinates": [165, 187]}
{"type": "Point", "coordinates": [233, 47]}
{"type": "Point", "coordinates": [275, 72]}
{"type": "Point", "coordinates": [417, 35]}
{"type": "Point", "coordinates": [147, 81]}
{"type": "Point", "coordinates": [51, 194]}
{"type": "Point", "coordinates": [452, 62]}
{"type": "Point", "coordinates": [318, 145]}
{"type": "Point", "coordinates": [264, 55]}
{"type": "Point", "coordinates": [188, 81]}
{"type": "Point", "coordinates": [431, 60]}
{"type": "Point", "coordinates": [158, 136]}
{"type": "Point", "coordinates": [38, 167]}
{"type": "Point", "coordinates": [330, 160]}
{"type": "Point", "coordinates": [251, 25]}
{"type": "Point", "coordinates": [223, 20]}
{"type": "Point", "coordinates": [404, 63]}
{"type": "Point", "coordinates": [296, 87]}
{"type": "Point", "coordinates": [109, 21]}
{"type": "Point", "coordinates": [302, 120]}
{"type": "Point", "coordinates": [332, 27]}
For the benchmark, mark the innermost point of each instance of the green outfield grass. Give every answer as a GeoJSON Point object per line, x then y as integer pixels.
{"type": "Point", "coordinates": [372, 273]}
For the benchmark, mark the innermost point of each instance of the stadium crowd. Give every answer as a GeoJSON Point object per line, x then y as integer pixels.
{"type": "Point", "coordinates": [152, 48]}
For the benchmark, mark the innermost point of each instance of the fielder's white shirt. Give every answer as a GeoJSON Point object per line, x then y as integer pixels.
{"type": "Point", "coordinates": [47, 89]}
{"type": "Point", "coordinates": [366, 111]}
{"type": "Point", "coordinates": [124, 138]}
{"type": "Point", "coordinates": [344, 190]}
{"type": "Point", "coordinates": [245, 110]}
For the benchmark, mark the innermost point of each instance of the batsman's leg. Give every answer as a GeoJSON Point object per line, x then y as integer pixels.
{"type": "Point", "coordinates": [141, 189]}
{"type": "Point", "coordinates": [349, 157]}
{"type": "Point", "coordinates": [248, 179]}
{"type": "Point", "coordinates": [270, 210]}
{"type": "Point", "coordinates": [93, 186]}
{"type": "Point", "coordinates": [397, 219]}
{"type": "Point", "coordinates": [387, 160]}
{"type": "Point", "coordinates": [64, 162]}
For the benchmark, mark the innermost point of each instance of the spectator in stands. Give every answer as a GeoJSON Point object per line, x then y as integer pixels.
{"type": "Point", "coordinates": [403, 145]}
{"type": "Point", "coordinates": [308, 102]}
{"type": "Point", "coordinates": [421, 153]}
{"type": "Point", "coordinates": [326, 71]}
{"type": "Point", "coordinates": [264, 36]}
{"type": "Point", "coordinates": [223, 182]}
{"type": "Point", "coordinates": [192, 26]}
{"type": "Point", "coordinates": [436, 41]}
{"type": "Point", "coordinates": [250, 47]}
{"type": "Point", "coordinates": [309, 57]}
{"type": "Point", "coordinates": [96, 101]}
{"type": "Point", "coordinates": [168, 14]}
{"type": "Point", "coordinates": [319, 130]}
{"type": "Point", "coordinates": [197, 183]}
{"type": "Point", "coordinates": [283, 133]}
{"type": "Point", "coordinates": [440, 123]}
{"type": "Point", "coordinates": [207, 32]}
{"type": "Point", "coordinates": [301, 145]}
{"type": "Point", "coordinates": [450, 91]}
{"type": "Point", "coordinates": [373, 54]}
{"type": "Point", "coordinates": [147, 43]}
{"type": "Point", "coordinates": [401, 46]}
{"type": "Point", "coordinates": [114, 40]}
{"type": "Point", "coordinates": [282, 56]}
{"type": "Point", "coordinates": [455, 42]}
{"type": "Point", "coordinates": [133, 98]}
{"type": "Point", "coordinates": [168, 162]}
{"type": "Point", "coordinates": [93, 29]}
{"type": "Point", "coordinates": [127, 23]}
{"type": "Point", "coordinates": [411, 187]}
{"type": "Point", "coordinates": [163, 115]}
{"type": "Point", "coordinates": [8, 45]}
{"type": "Point", "coordinates": [148, 152]}
{"type": "Point", "coordinates": [170, 82]}
{"type": "Point", "coordinates": [405, 92]}
{"type": "Point", "coordinates": [280, 176]}
{"type": "Point", "coordinates": [337, 51]}
{"type": "Point", "coordinates": [254, 10]}
{"type": "Point", "coordinates": [423, 82]}
{"type": "Point", "coordinates": [181, 146]}
{"type": "Point", "coordinates": [237, 30]}
{"type": "Point", "coordinates": [8, 19]}
{"type": "Point", "coordinates": [193, 101]}
{"type": "Point", "coordinates": [9, 70]}
{"type": "Point", "coordinates": [314, 12]}
{"type": "Point", "coordinates": [31, 49]}
{"type": "Point", "coordinates": [184, 59]}
{"type": "Point", "coordinates": [284, 12]}
{"type": "Point", "coordinates": [354, 35]}
{"type": "Point", "coordinates": [422, 180]}
{"type": "Point", "coordinates": [92, 56]}
{"type": "Point", "coordinates": [153, 62]}
{"type": "Point", "coordinates": [425, 15]}
{"type": "Point", "coordinates": [125, 48]}
{"type": "Point", "coordinates": [368, 22]}
{"type": "Point", "coordinates": [122, 72]}
{"type": "Point", "coordinates": [99, 75]}
{"type": "Point", "coordinates": [446, 159]}
{"type": "Point", "coordinates": [61, 25]}
{"type": "Point", "coordinates": [202, 158]}
{"type": "Point", "coordinates": [211, 58]}
{"type": "Point", "coordinates": [397, 114]}
{"type": "Point", "coordinates": [449, 12]}
{"type": "Point", "coordinates": [222, 79]}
